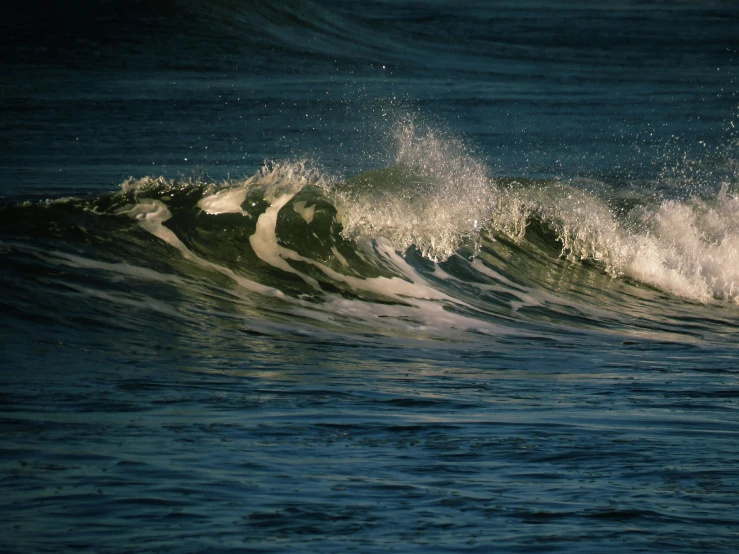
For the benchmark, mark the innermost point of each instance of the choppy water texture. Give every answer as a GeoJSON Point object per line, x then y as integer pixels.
{"type": "Point", "coordinates": [397, 276]}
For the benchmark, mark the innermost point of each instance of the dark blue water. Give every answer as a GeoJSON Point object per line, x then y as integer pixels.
{"type": "Point", "coordinates": [389, 276]}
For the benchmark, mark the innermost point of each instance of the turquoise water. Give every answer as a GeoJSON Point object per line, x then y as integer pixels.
{"type": "Point", "coordinates": [404, 276]}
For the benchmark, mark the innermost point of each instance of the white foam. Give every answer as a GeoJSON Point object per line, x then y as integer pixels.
{"type": "Point", "coordinates": [420, 306]}
{"type": "Point", "coordinates": [306, 213]}
{"type": "Point", "coordinates": [687, 248]}
{"type": "Point", "coordinates": [692, 249]}
{"type": "Point", "coordinates": [151, 214]}
{"type": "Point", "coordinates": [130, 300]}
{"type": "Point", "coordinates": [122, 268]}
{"type": "Point", "coordinates": [342, 259]}
{"type": "Point", "coordinates": [436, 196]}
{"type": "Point", "coordinates": [225, 202]}
{"type": "Point", "coordinates": [265, 245]}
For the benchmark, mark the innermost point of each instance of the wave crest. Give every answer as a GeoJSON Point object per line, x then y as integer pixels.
{"type": "Point", "coordinates": [434, 198]}
{"type": "Point", "coordinates": [687, 248]}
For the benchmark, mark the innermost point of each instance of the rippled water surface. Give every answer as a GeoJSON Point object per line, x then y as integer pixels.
{"type": "Point", "coordinates": [398, 276]}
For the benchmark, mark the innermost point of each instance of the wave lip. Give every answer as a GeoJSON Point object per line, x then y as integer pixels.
{"type": "Point", "coordinates": [689, 248]}
{"type": "Point", "coordinates": [434, 198]}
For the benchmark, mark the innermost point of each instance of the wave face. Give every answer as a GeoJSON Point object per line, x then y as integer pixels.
{"type": "Point", "coordinates": [430, 247]}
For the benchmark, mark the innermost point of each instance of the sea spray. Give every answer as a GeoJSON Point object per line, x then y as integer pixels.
{"type": "Point", "coordinates": [434, 198]}
{"type": "Point", "coordinates": [688, 248]}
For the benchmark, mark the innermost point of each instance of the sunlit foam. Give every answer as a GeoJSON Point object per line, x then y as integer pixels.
{"type": "Point", "coordinates": [688, 248]}
{"type": "Point", "coordinates": [435, 197]}
{"type": "Point", "coordinates": [438, 197]}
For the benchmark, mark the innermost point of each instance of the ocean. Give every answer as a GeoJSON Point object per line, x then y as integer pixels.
{"type": "Point", "coordinates": [389, 276]}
